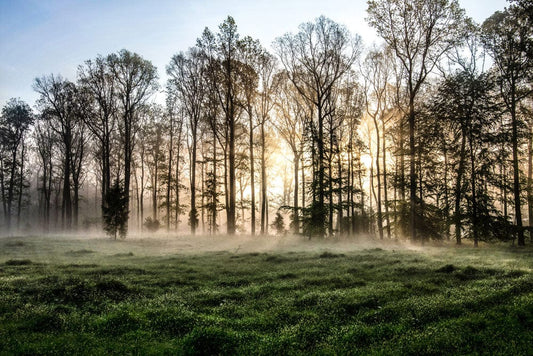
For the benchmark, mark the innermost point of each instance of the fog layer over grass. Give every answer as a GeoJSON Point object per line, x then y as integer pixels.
{"type": "Point", "coordinates": [261, 295]}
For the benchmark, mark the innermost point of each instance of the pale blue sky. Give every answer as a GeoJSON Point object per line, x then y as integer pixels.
{"type": "Point", "coordinates": [39, 37]}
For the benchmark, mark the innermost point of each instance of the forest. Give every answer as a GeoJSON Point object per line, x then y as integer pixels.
{"type": "Point", "coordinates": [424, 136]}
{"type": "Point", "coordinates": [323, 196]}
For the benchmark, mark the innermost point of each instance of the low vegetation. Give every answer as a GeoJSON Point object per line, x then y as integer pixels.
{"type": "Point", "coordinates": [99, 297]}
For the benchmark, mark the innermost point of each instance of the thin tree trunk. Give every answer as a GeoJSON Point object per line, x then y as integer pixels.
{"type": "Point", "coordinates": [385, 197]}
{"type": "Point", "coordinates": [169, 172]}
{"type": "Point", "coordinates": [193, 219]}
{"type": "Point", "coordinates": [412, 171]}
{"type": "Point", "coordinates": [21, 186]}
{"type": "Point", "coordinates": [264, 204]}
{"type": "Point", "coordinates": [458, 184]}
{"type": "Point", "coordinates": [202, 195]}
{"type": "Point", "coordinates": [295, 217]}
{"type": "Point", "coordinates": [530, 179]}
{"type": "Point", "coordinates": [141, 198]}
{"type": "Point", "coordinates": [252, 173]}
{"type": "Point", "coordinates": [378, 176]}
{"type": "Point", "coordinates": [339, 197]}
{"type": "Point", "coordinates": [446, 198]}
{"type": "Point", "coordinates": [474, 195]}
{"type": "Point", "coordinates": [516, 171]}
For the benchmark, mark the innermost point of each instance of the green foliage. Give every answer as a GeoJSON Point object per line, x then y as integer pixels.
{"type": "Point", "coordinates": [374, 301]}
{"type": "Point", "coordinates": [279, 224]}
{"type": "Point", "coordinates": [151, 225]}
{"type": "Point", "coordinates": [115, 211]}
{"type": "Point", "coordinates": [314, 220]}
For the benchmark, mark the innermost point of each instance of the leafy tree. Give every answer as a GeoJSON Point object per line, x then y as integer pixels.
{"type": "Point", "coordinates": [315, 60]}
{"type": "Point", "coordinates": [186, 71]}
{"type": "Point", "coordinates": [15, 122]}
{"type": "Point", "coordinates": [508, 37]}
{"type": "Point", "coordinates": [279, 224]}
{"type": "Point", "coordinates": [135, 80]}
{"type": "Point", "coordinates": [419, 32]}
{"type": "Point", "coordinates": [96, 78]}
{"type": "Point", "coordinates": [115, 211]}
{"type": "Point", "coordinates": [61, 106]}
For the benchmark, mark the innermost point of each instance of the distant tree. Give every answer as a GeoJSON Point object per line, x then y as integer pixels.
{"type": "Point", "coordinates": [508, 37]}
{"type": "Point", "coordinates": [289, 124]}
{"type": "Point", "coordinates": [225, 54]}
{"type": "Point", "coordinates": [154, 138]}
{"type": "Point", "coordinates": [135, 80]}
{"type": "Point", "coordinates": [151, 225]}
{"type": "Point", "coordinates": [315, 59]}
{"type": "Point", "coordinates": [250, 79]}
{"type": "Point", "coordinates": [264, 104]}
{"type": "Point", "coordinates": [376, 73]}
{"type": "Point", "coordinates": [115, 211]}
{"type": "Point", "coordinates": [419, 33]}
{"type": "Point", "coordinates": [59, 106]}
{"type": "Point", "coordinates": [186, 71]}
{"type": "Point", "coordinates": [279, 224]}
{"type": "Point", "coordinates": [15, 121]}
{"type": "Point", "coordinates": [96, 78]}
{"type": "Point", "coordinates": [46, 142]}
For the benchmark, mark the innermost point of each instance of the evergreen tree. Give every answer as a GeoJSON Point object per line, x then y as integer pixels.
{"type": "Point", "coordinates": [115, 211]}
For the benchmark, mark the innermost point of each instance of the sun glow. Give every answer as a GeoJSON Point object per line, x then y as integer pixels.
{"type": "Point", "coordinates": [366, 160]}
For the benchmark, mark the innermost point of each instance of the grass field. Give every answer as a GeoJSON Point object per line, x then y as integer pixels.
{"type": "Point", "coordinates": [66, 295]}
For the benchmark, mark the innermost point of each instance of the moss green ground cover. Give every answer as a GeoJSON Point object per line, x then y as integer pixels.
{"type": "Point", "coordinates": [72, 296]}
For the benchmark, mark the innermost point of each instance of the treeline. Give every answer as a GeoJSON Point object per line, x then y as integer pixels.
{"type": "Point", "coordinates": [419, 137]}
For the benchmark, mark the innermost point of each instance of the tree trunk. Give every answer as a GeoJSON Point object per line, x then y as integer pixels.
{"type": "Point", "coordinates": [128, 147]}
{"type": "Point", "coordinates": [384, 162]}
{"type": "Point", "coordinates": [474, 195]}
{"type": "Point", "coordinates": [214, 188]}
{"type": "Point", "coordinates": [193, 214]}
{"type": "Point", "coordinates": [67, 200]}
{"type": "Point", "coordinates": [530, 179]}
{"type": "Point", "coordinates": [21, 186]}
{"type": "Point", "coordinates": [264, 203]}
{"type": "Point", "coordinates": [141, 198]}
{"type": "Point", "coordinates": [252, 173]}
{"type": "Point", "coordinates": [458, 184]}
{"type": "Point", "coordinates": [155, 178]}
{"type": "Point", "coordinates": [516, 171]}
{"type": "Point", "coordinates": [412, 172]}
{"type": "Point", "coordinates": [378, 176]}
{"type": "Point", "coordinates": [169, 172]}
{"type": "Point", "coordinates": [446, 198]}
{"type": "Point", "coordinates": [340, 227]}
{"type": "Point", "coordinates": [295, 217]}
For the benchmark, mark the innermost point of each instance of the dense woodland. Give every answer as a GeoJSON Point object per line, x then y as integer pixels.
{"type": "Point", "coordinates": [427, 135]}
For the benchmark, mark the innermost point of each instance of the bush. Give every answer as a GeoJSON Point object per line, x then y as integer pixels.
{"type": "Point", "coordinates": [151, 225]}
{"type": "Point", "coordinates": [279, 224]}
{"type": "Point", "coordinates": [115, 211]}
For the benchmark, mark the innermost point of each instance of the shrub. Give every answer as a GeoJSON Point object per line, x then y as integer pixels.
{"type": "Point", "coordinates": [151, 225]}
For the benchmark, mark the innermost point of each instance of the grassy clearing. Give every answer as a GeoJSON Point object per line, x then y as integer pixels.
{"type": "Point", "coordinates": [94, 296]}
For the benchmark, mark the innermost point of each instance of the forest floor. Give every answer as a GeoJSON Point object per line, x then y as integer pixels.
{"type": "Point", "coordinates": [275, 295]}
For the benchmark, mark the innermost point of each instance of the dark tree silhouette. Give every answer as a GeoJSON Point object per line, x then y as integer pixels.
{"type": "Point", "coordinates": [115, 211]}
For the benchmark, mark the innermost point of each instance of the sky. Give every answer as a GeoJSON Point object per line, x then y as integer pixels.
{"type": "Point", "coordinates": [40, 37]}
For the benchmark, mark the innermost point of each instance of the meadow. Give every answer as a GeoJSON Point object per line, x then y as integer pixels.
{"type": "Point", "coordinates": [262, 296]}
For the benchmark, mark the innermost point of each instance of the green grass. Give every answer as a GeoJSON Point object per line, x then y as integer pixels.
{"type": "Point", "coordinates": [95, 296]}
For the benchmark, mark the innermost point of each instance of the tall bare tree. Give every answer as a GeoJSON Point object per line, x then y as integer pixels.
{"type": "Point", "coordinates": [315, 59]}
{"type": "Point", "coordinates": [96, 78]}
{"type": "Point", "coordinates": [186, 71]}
{"type": "Point", "coordinates": [419, 33]}
{"type": "Point", "coordinates": [136, 81]}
